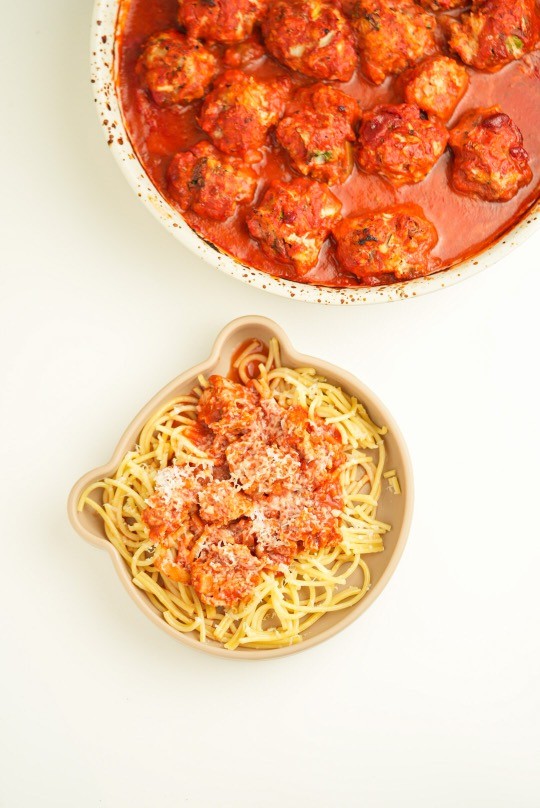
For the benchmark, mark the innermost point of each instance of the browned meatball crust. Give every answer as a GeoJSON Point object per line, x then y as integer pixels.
{"type": "Point", "coordinates": [226, 21]}
{"type": "Point", "coordinates": [386, 245]}
{"type": "Point", "coordinates": [489, 158]}
{"type": "Point", "coordinates": [399, 143]}
{"type": "Point", "coordinates": [443, 5]}
{"type": "Point", "coordinates": [392, 35]}
{"type": "Point", "coordinates": [240, 110]}
{"type": "Point", "coordinates": [210, 183]}
{"type": "Point", "coordinates": [292, 221]}
{"type": "Point", "coordinates": [318, 131]}
{"type": "Point", "coordinates": [494, 33]}
{"type": "Point", "coordinates": [436, 85]}
{"type": "Point", "coordinates": [176, 69]}
{"type": "Point", "coordinates": [312, 37]}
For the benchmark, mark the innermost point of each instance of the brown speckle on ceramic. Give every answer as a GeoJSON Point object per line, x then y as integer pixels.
{"type": "Point", "coordinates": [395, 510]}
{"type": "Point", "coordinates": [108, 14]}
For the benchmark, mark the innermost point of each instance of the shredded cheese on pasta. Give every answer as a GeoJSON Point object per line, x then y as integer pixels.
{"type": "Point", "coordinates": [284, 605]}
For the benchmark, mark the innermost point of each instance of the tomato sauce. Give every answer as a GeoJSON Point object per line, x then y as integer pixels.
{"type": "Point", "coordinates": [252, 368]}
{"type": "Point", "coordinates": [465, 224]}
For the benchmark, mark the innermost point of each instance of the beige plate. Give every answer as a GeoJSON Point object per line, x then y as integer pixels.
{"type": "Point", "coordinates": [109, 16]}
{"type": "Point", "coordinates": [394, 509]}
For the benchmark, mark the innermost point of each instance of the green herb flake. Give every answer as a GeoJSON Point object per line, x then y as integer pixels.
{"type": "Point", "coordinates": [514, 44]}
{"type": "Point", "coordinates": [321, 156]}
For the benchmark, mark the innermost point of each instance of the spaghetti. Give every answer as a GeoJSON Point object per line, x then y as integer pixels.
{"type": "Point", "coordinates": [314, 562]}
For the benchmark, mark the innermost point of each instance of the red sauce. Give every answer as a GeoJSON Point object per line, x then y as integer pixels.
{"type": "Point", "coordinates": [465, 224]}
{"type": "Point", "coordinates": [271, 493]}
{"type": "Point", "coordinates": [252, 368]}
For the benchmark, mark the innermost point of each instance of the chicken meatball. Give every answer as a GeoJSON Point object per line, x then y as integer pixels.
{"type": "Point", "coordinates": [292, 221]}
{"type": "Point", "coordinates": [443, 5]}
{"type": "Point", "coordinates": [326, 98]}
{"type": "Point", "coordinates": [227, 407]}
{"type": "Point", "coordinates": [220, 503]}
{"type": "Point", "coordinates": [436, 85]}
{"type": "Point", "coordinates": [399, 143]}
{"type": "Point", "coordinates": [489, 158]}
{"type": "Point", "coordinates": [176, 69]}
{"type": "Point", "coordinates": [226, 21]}
{"type": "Point", "coordinates": [210, 183]}
{"type": "Point", "coordinates": [392, 34]}
{"type": "Point", "coordinates": [239, 111]}
{"type": "Point", "coordinates": [312, 37]}
{"type": "Point", "coordinates": [243, 53]}
{"type": "Point", "coordinates": [273, 545]}
{"type": "Point", "coordinates": [317, 132]}
{"type": "Point", "coordinates": [395, 242]}
{"type": "Point", "coordinates": [494, 33]}
{"type": "Point", "coordinates": [223, 572]}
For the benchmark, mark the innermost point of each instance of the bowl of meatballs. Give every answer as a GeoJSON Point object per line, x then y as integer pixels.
{"type": "Point", "coordinates": [354, 151]}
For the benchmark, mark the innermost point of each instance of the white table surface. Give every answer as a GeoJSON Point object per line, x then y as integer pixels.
{"type": "Point", "coordinates": [432, 697]}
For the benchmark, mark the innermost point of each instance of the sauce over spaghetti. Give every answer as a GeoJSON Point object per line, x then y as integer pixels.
{"type": "Point", "coordinates": [266, 489]}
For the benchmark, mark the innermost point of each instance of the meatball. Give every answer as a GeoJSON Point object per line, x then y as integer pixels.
{"type": "Point", "coordinates": [315, 524]}
{"type": "Point", "coordinates": [220, 503]}
{"type": "Point", "coordinates": [239, 111]}
{"type": "Point", "coordinates": [223, 573]}
{"type": "Point", "coordinates": [395, 242]}
{"type": "Point", "coordinates": [264, 469]}
{"type": "Point", "coordinates": [228, 408]}
{"type": "Point", "coordinates": [326, 98]}
{"type": "Point", "coordinates": [226, 21]}
{"type": "Point", "coordinates": [176, 69]}
{"type": "Point", "coordinates": [243, 53]}
{"type": "Point", "coordinates": [173, 502]}
{"type": "Point", "coordinates": [312, 37]}
{"type": "Point", "coordinates": [489, 158]}
{"type": "Point", "coordinates": [436, 85]}
{"type": "Point", "coordinates": [392, 34]}
{"type": "Point", "coordinates": [399, 143]}
{"type": "Point", "coordinates": [292, 221]}
{"type": "Point", "coordinates": [317, 133]}
{"type": "Point", "coordinates": [443, 5]}
{"type": "Point", "coordinates": [273, 545]}
{"type": "Point", "coordinates": [210, 183]}
{"type": "Point", "coordinates": [494, 33]}
{"type": "Point", "coordinates": [174, 566]}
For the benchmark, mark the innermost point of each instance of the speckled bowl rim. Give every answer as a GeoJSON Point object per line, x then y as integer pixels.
{"type": "Point", "coordinates": [103, 78]}
{"type": "Point", "coordinates": [348, 382]}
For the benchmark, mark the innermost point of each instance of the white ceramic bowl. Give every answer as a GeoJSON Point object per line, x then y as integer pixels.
{"type": "Point", "coordinates": [107, 13]}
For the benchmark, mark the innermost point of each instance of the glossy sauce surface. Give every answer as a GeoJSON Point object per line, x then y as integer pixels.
{"type": "Point", "coordinates": [252, 367]}
{"type": "Point", "coordinates": [465, 224]}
